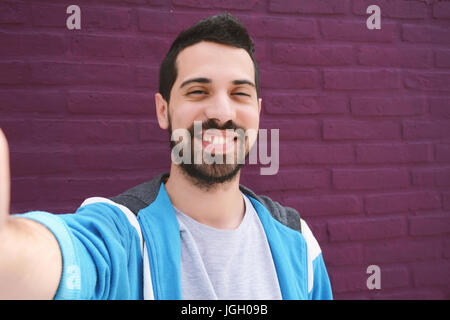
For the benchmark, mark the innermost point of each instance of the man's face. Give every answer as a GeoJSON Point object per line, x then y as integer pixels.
{"type": "Point", "coordinates": [215, 86]}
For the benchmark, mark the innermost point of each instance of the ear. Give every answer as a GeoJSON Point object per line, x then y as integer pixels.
{"type": "Point", "coordinates": [162, 111]}
{"type": "Point", "coordinates": [259, 105]}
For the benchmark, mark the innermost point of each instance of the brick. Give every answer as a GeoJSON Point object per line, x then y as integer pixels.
{"type": "Point", "coordinates": [13, 13]}
{"type": "Point", "coordinates": [402, 202]}
{"type": "Point", "coordinates": [42, 161]}
{"type": "Point", "coordinates": [150, 131]}
{"type": "Point", "coordinates": [440, 107]}
{"type": "Point", "coordinates": [426, 274]}
{"type": "Point", "coordinates": [393, 9]}
{"type": "Point", "coordinates": [442, 58]}
{"type": "Point", "coordinates": [361, 80]}
{"type": "Point", "coordinates": [90, 132]}
{"type": "Point", "coordinates": [429, 225]}
{"type": "Point", "coordinates": [17, 131]}
{"type": "Point", "coordinates": [441, 10]}
{"type": "Point", "coordinates": [228, 4]}
{"type": "Point", "coordinates": [309, 6]}
{"type": "Point", "coordinates": [282, 79]}
{"type": "Point", "coordinates": [142, 157]}
{"type": "Point", "coordinates": [319, 230]}
{"type": "Point", "coordinates": [86, 159]}
{"type": "Point", "coordinates": [153, 50]}
{"type": "Point", "coordinates": [427, 81]}
{"type": "Point", "coordinates": [154, 21]}
{"type": "Point", "coordinates": [394, 57]}
{"type": "Point", "coordinates": [32, 101]}
{"type": "Point", "coordinates": [446, 200]}
{"type": "Point", "coordinates": [147, 2]}
{"type": "Point", "coordinates": [54, 189]}
{"type": "Point", "coordinates": [329, 205]}
{"type": "Point", "coordinates": [279, 27]}
{"type": "Point", "coordinates": [110, 103]}
{"type": "Point", "coordinates": [344, 280]}
{"type": "Point", "coordinates": [24, 189]}
{"type": "Point", "coordinates": [14, 72]}
{"type": "Point", "coordinates": [446, 249]}
{"type": "Point", "coordinates": [369, 179]}
{"type": "Point", "coordinates": [443, 152]}
{"type": "Point", "coordinates": [357, 31]}
{"type": "Point", "coordinates": [62, 73]}
{"type": "Point", "coordinates": [104, 18]}
{"type": "Point", "coordinates": [147, 77]}
{"type": "Point", "coordinates": [288, 179]}
{"type": "Point", "coordinates": [388, 106]}
{"type": "Point", "coordinates": [304, 105]}
{"type": "Point", "coordinates": [343, 254]}
{"type": "Point", "coordinates": [315, 154]}
{"type": "Point", "coordinates": [394, 153]}
{"type": "Point", "coordinates": [360, 130]}
{"type": "Point", "coordinates": [416, 294]}
{"type": "Point", "coordinates": [20, 44]}
{"type": "Point", "coordinates": [261, 51]}
{"type": "Point", "coordinates": [402, 251]}
{"type": "Point", "coordinates": [367, 229]}
{"type": "Point", "coordinates": [425, 129]}
{"type": "Point", "coordinates": [51, 15]}
{"type": "Point", "coordinates": [424, 34]}
{"type": "Point", "coordinates": [393, 277]}
{"type": "Point", "coordinates": [312, 55]}
{"type": "Point", "coordinates": [439, 177]}
{"type": "Point", "coordinates": [293, 130]}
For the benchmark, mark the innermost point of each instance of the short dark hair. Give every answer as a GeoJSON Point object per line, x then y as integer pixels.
{"type": "Point", "coordinates": [223, 29]}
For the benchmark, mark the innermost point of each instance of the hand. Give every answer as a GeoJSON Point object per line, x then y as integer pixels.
{"type": "Point", "coordinates": [4, 179]}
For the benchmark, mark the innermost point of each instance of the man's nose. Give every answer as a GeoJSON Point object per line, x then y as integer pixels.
{"type": "Point", "coordinates": [221, 108]}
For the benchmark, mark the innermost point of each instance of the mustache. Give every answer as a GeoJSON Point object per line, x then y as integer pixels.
{"type": "Point", "coordinates": [213, 124]}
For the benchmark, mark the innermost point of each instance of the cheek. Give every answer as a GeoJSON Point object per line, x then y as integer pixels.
{"type": "Point", "coordinates": [183, 115]}
{"type": "Point", "coordinates": [249, 118]}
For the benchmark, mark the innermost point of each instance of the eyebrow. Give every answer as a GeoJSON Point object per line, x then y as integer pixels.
{"type": "Point", "coordinates": [206, 80]}
{"type": "Point", "coordinates": [199, 80]}
{"type": "Point", "coordinates": [238, 82]}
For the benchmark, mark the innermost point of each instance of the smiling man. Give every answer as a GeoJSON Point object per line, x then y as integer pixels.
{"type": "Point", "coordinates": [192, 233]}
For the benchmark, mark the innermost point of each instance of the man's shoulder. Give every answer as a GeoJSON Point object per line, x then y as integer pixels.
{"type": "Point", "coordinates": [140, 196]}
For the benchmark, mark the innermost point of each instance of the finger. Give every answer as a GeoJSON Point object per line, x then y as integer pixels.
{"type": "Point", "coordinates": [4, 177]}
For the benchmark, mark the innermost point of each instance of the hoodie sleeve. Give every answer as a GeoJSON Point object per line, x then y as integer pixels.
{"type": "Point", "coordinates": [100, 252]}
{"type": "Point", "coordinates": [319, 286]}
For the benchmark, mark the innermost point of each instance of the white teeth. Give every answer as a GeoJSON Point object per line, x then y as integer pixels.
{"type": "Point", "coordinates": [214, 139]}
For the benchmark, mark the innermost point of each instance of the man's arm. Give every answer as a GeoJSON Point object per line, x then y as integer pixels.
{"type": "Point", "coordinates": [30, 257]}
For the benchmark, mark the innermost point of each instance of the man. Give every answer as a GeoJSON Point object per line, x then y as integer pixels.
{"type": "Point", "coordinates": [194, 233]}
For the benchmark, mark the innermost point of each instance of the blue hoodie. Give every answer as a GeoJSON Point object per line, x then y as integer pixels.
{"type": "Point", "coordinates": [128, 247]}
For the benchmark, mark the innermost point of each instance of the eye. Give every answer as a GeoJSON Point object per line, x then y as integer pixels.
{"type": "Point", "coordinates": [196, 92]}
{"type": "Point", "coordinates": [241, 94]}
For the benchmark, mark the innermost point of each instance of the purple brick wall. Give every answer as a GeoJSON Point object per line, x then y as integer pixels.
{"type": "Point", "coordinates": [364, 118]}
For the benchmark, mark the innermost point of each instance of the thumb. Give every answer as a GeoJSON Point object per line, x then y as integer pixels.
{"type": "Point", "coordinates": [4, 178]}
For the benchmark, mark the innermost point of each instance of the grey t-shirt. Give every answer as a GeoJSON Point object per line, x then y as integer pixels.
{"type": "Point", "coordinates": [227, 264]}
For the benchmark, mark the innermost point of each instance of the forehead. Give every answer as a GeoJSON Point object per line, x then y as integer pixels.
{"type": "Point", "coordinates": [215, 61]}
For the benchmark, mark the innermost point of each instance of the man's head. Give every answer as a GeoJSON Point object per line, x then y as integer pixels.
{"type": "Point", "coordinates": [224, 29]}
{"type": "Point", "coordinates": [210, 75]}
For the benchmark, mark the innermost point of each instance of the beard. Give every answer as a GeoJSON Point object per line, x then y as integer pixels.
{"type": "Point", "coordinates": [207, 175]}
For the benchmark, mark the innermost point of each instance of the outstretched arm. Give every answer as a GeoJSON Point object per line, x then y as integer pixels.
{"type": "Point", "coordinates": [30, 257]}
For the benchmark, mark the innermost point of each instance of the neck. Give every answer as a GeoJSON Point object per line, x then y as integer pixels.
{"type": "Point", "coordinates": [221, 207]}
